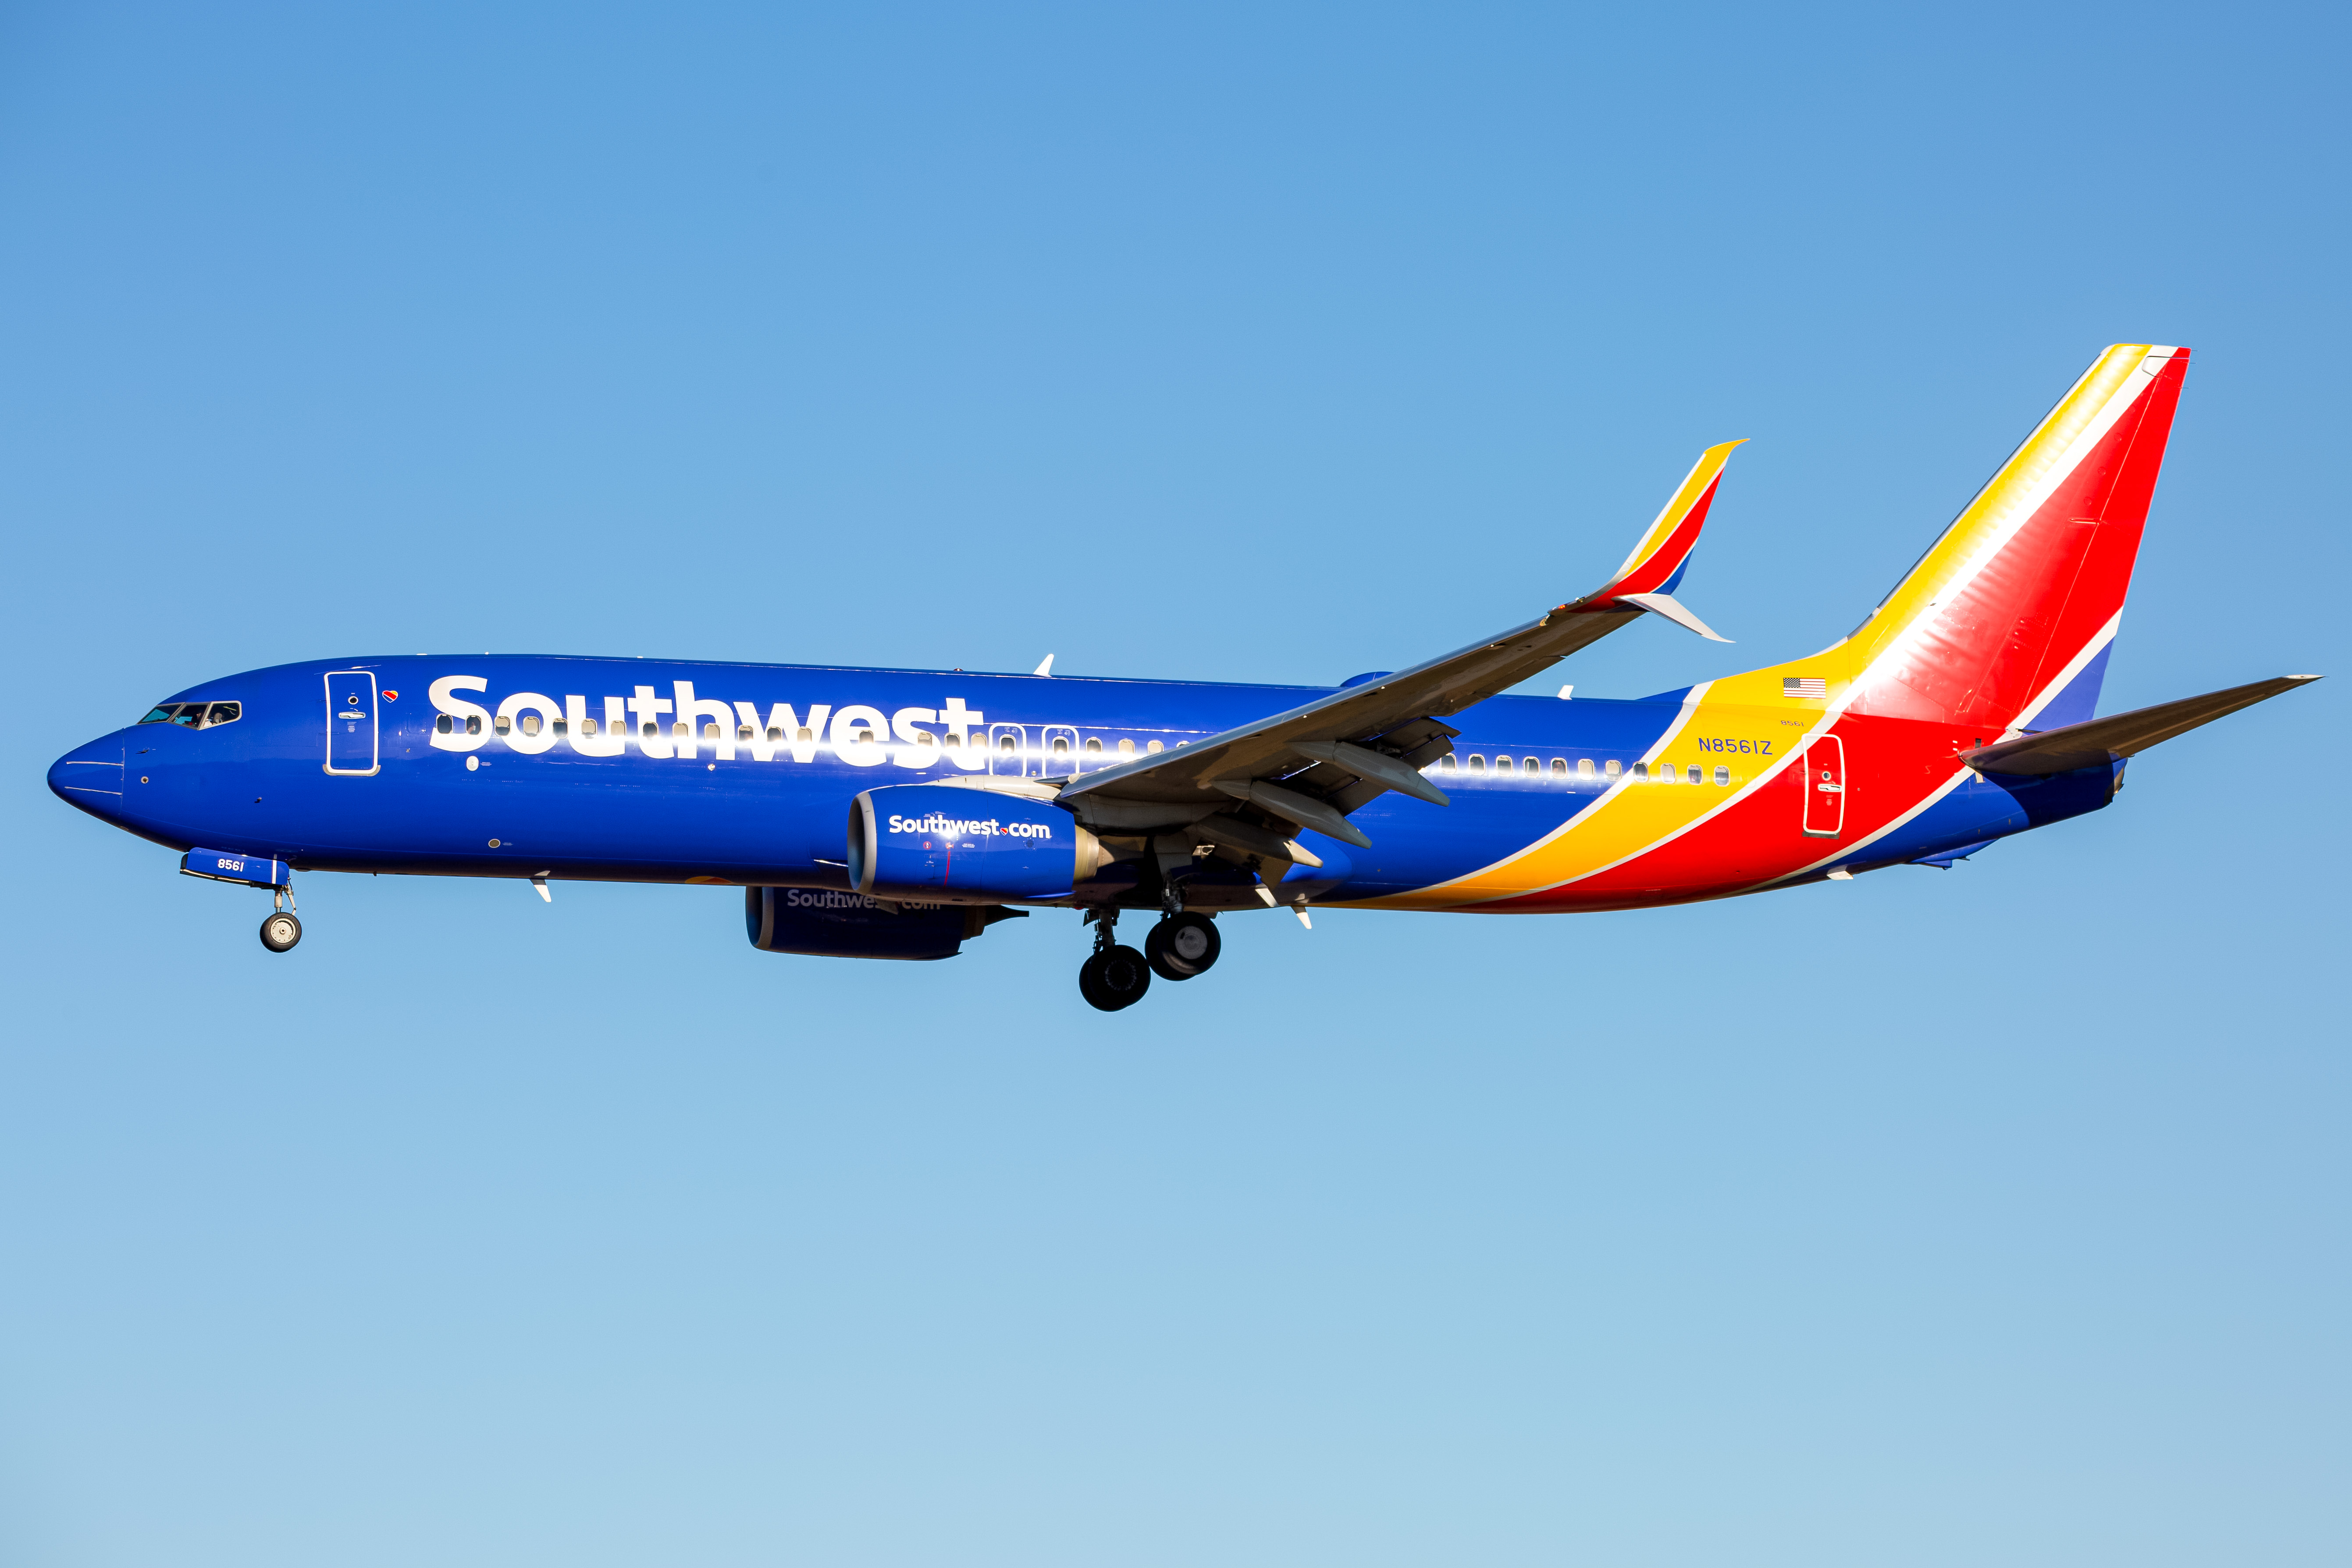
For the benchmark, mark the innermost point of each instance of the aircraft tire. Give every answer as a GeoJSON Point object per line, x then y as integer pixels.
{"type": "Point", "coordinates": [1182, 946]}
{"type": "Point", "coordinates": [1115, 979]}
{"type": "Point", "coordinates": [280, 932]}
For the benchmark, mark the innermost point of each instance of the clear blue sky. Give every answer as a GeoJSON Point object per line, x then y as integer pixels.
{"type": "Point", "coordinates": [1994, 1215]}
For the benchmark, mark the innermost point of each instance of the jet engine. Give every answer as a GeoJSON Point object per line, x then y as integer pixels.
{"type": "Point", "coordinates": [821, 924]}
{"type": "Point", "coordinates": [938, 841]}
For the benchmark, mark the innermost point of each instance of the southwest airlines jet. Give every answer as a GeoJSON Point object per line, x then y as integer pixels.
{"type": "Point", "coordinates": [897, 813]}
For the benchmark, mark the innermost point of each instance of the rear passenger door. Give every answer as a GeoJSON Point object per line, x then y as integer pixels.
{"type": "Point", "coordinates": [352, 747]}
{"type": "Point", "coordinates": [1824, 773]}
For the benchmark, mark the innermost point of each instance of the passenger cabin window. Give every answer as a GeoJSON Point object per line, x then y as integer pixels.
{"type": "Point", "coordinates": [1445, 763]}
{"type": "Point", "coordinates": [1502, 765]}
{"type": "Point", "coordinates": [1697, 775]}
{"type": "Point", "coordinates": [1477, 763]}
{"type": "Point", "coordinates": [1584, 767]}
{"type": "Point", "coordinates": [1614, 768]}
{"type": "Point", "coordinates": [1094, 747]}
{"type": "Point", "coordinates": [1153, 748]}
{"type": "Point", "coordinates": [1641, 770]}
{"type": "Point", "coordinates": [531, 723]}
{"type": "Point", "coordinates": [443, 724]}
{"type": "Point", "coordinates": [1127, 748]}
{"type": "Point", "coordinates": [1531, 765]}
{"type": "Point", "coordinates": [1559, 767]}
{"type": "Point", "coordinates": [1722, 775]}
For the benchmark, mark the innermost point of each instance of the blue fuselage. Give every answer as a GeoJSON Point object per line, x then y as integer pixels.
{"type": "Point", "coordinates": [491, 766]}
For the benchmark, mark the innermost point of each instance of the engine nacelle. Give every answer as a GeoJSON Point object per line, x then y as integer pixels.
{"type": "Point", "coordinates": [937, 841]}
{"type": "Point", "coordinates": [819, 923]}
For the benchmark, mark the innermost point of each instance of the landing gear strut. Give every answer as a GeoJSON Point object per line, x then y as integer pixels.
{"type": "Point", "coordinates": [1114, 977]}
{"type": "Point", "coordinates": [281, 930]}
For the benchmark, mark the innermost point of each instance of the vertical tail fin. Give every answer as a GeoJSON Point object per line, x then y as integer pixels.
{"type": "Point", "coordinates": [2006, 620]}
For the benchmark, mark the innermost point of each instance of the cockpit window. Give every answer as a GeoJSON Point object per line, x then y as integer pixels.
{"type": "Point", "coordinates": [196, 715]}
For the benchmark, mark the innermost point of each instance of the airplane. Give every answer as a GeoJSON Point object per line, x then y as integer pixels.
{"type": "Point", "coordinates": [897, 814]}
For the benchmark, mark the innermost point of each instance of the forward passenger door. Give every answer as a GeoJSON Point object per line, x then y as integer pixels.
{"type": "Point", "coordinates": [351, 744]}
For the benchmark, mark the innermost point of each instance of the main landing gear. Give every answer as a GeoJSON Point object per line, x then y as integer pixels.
{"type": "Point", "coordinates": [1180, 947]}
{"type": "Point", "coordinates": [281, 930]}
{"type": "Point", "coordinates": [1116, 975]}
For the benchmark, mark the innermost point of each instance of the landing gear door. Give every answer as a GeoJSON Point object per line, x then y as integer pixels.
{"type": "Point", "coordinates": [352, 748]}
{"type": "Point", "coordinates": [1008, 750]}
{"type": "Point", "coordinates": [1824, 774]}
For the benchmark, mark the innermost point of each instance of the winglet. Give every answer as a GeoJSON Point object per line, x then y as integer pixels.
{"type": "Point", "coordinates": [1667, 604]}
{"type": "Point", "coordinates": [1657, 562]}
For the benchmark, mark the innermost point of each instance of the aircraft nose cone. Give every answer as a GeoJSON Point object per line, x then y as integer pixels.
{"type": "Point", "coordinates": [91, 777]}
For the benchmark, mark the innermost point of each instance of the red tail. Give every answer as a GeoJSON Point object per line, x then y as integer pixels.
{"type": "Point", "coordinates": [2006, 621]}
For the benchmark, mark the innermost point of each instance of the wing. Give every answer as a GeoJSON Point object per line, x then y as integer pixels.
{"type": "Point", "coordinates": [1312, 765]}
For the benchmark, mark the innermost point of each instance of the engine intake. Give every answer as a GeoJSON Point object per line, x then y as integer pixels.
{"type": "Point", "coordinates": [937, 841]}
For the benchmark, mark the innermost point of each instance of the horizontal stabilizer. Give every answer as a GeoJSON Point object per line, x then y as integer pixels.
{"type": "Point", "coordinates": [2097, 742]}
{"type": "Point", "coordinates": [1945, 859]}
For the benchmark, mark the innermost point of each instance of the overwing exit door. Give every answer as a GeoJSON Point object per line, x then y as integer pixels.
{"type": "Point", "coordinates": [1824, 774]}
{"type": "Point", "coordinates": [1008, 750]}
{"type": "Point", "coordinates": [351, 723]}
{"type": "Point", "coordinates": [1059, 744]}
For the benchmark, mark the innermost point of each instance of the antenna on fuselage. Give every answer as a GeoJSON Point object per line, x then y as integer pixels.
{"type": "Point", "coordinates": [1044, 669]}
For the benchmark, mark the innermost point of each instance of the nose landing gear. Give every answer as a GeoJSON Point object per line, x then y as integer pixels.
{"type": "Point", "coordinates": [281, 930]}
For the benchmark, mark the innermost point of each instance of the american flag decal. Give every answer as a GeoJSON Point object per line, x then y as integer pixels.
{"type": "Point", "coordinates": [1804, 686]}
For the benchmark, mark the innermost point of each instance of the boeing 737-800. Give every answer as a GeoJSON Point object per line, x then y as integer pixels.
{"type": "Point", "coordinates": [897, 813]}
